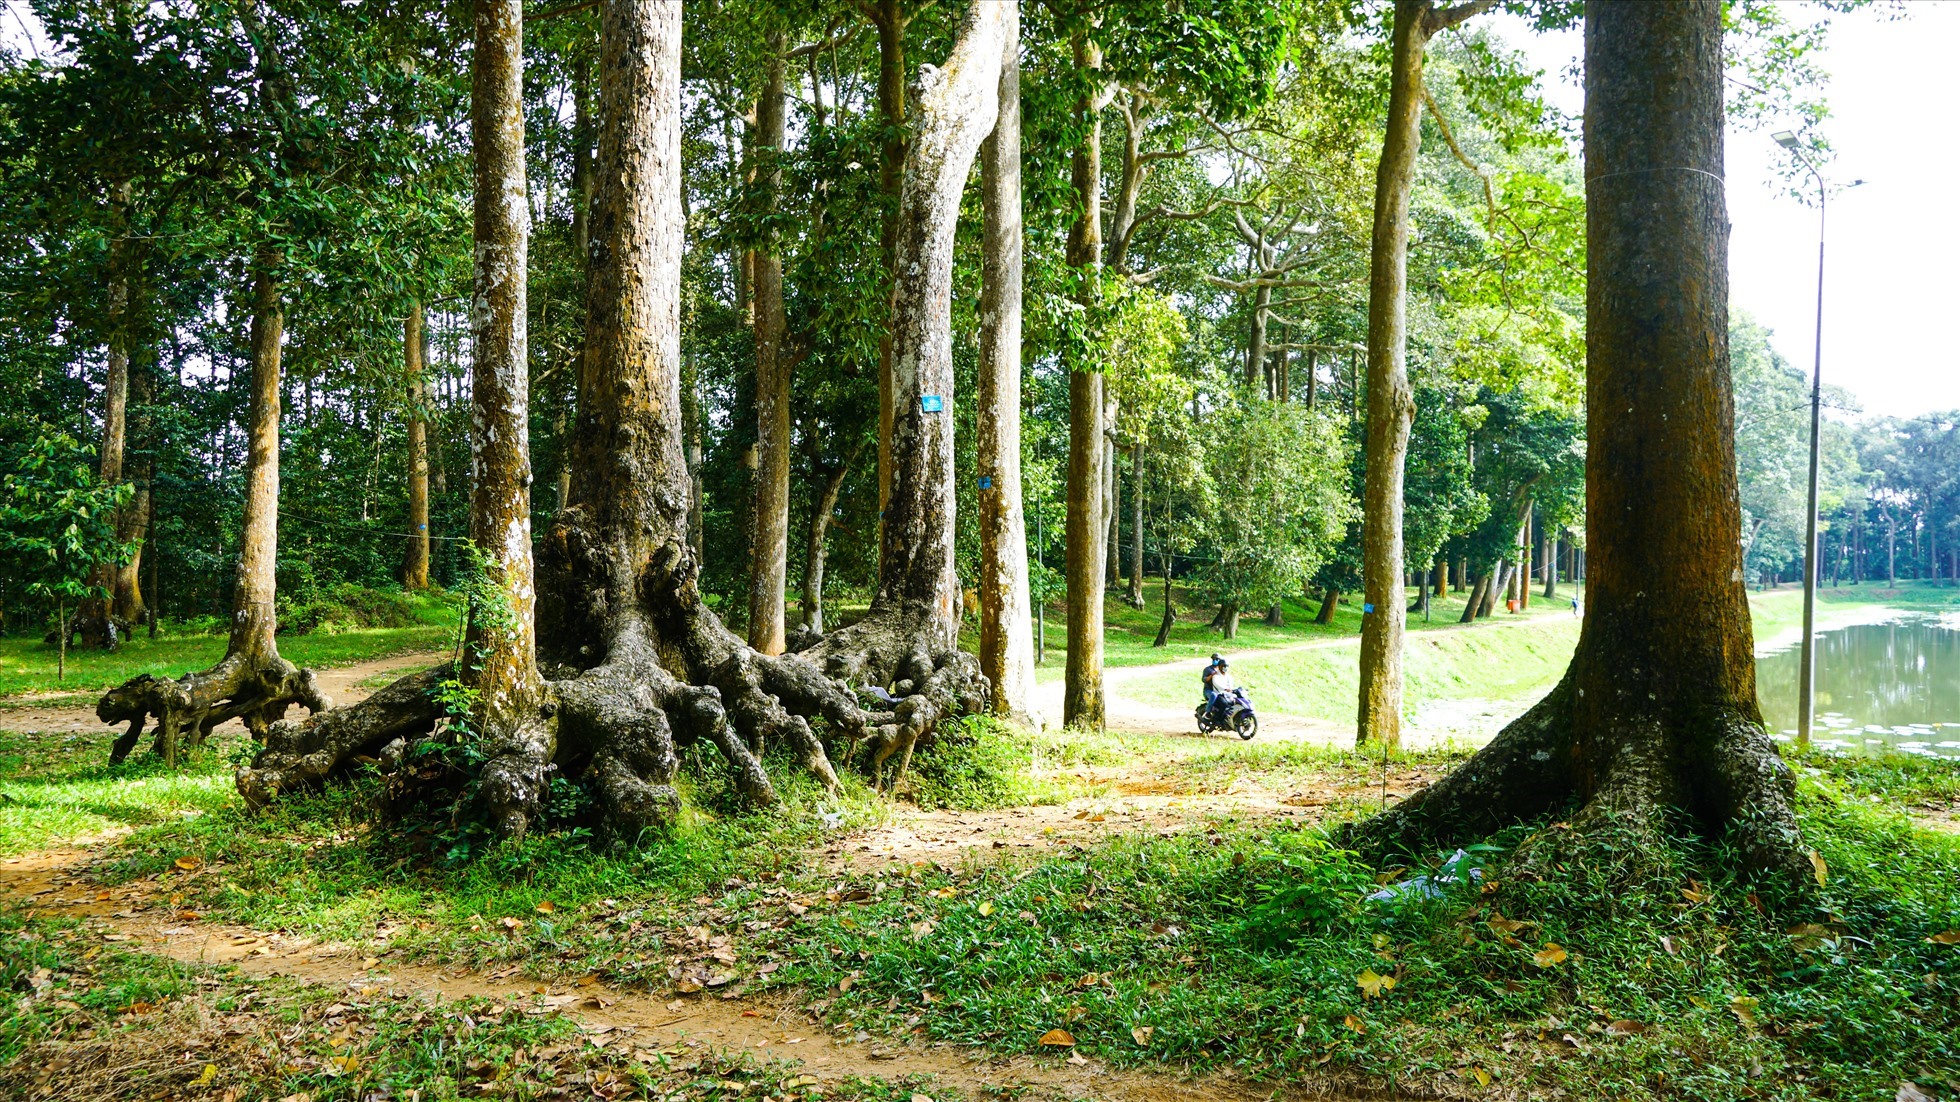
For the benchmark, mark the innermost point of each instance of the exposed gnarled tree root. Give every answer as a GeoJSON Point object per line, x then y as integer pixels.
{"type": "Point", "coordinates": [672, 677]}
{"type": "Point", "coordinates": [257, 691]}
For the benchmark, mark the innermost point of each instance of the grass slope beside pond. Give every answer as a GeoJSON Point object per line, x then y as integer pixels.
{"type": "Point", "coordinates": [1510, 657]}
{"type": "Point", "coordinates": [27, 665]}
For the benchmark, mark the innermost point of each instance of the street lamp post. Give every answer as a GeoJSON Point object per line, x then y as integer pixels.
{"type": "Point", "coordinates": [1807, 663]}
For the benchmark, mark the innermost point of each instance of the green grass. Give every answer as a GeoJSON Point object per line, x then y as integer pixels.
{"type": "Point", "coordinates": [1248, 946]}
{"type": "Point", "coordinates": [1128, 632]}
{"type": "Point", "coordinates": [1778, 611]}
{"type": "Point", "coordinates": [27, 665]}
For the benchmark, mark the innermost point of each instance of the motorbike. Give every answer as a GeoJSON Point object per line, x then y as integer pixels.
{"type": "Point", "coordinates": [1230, 710]}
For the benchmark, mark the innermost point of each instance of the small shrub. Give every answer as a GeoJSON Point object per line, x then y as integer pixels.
{"type": "Point", "coordinates": [975, 763]}
{"type": "Point", "coordinates": [346, 607]}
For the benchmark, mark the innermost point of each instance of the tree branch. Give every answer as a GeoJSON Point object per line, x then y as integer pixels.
{"type": "Point", "coordinates": [1442, 19]}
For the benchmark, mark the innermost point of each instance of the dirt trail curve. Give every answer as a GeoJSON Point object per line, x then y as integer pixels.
{"type": "Point", "coordinates": [342, 684]}
{"type": "Point", "coordinates": [55, 883]}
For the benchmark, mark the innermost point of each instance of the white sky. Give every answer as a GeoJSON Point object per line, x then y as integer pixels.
{"type": "Point", "coordinates": [1893, 244]}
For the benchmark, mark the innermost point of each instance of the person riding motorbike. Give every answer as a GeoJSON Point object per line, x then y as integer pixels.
{"type": "Point", "coordinates": [1218, 680]}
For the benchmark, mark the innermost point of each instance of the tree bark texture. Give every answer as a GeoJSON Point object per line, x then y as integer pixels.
{"type": "Point", "coordinates": [1658, 709]}
{"type": "Point", "coordinates": [642, 667]}
{"type": "Point", "coordinates": [1082, 695]}
{"type": "Point", "coordinates": [1006, 640]}
{"type": "Point", "coordinates": [502, 665]}
{"type": "Point", "coordinates": [769, 542]}
{"type": "Point", "coordinates": [1329, 601]}
{"type": "Point", "coordinates": [133, 520]}
{"type": "Point", "coordinates": [889, 18]}
{"type": "Point", "coordinates": [95, 623]}
{"type": "Point", "coordinates": [1391, 404]}
{"type": "Point", "coordinates": [415, 575]}
{"type": "Point", "coordinates": [251, 682]}
{"type": "Point", "coordinates": [815, 553]}
{"type": "Point", "coordinates": [1134, 598]}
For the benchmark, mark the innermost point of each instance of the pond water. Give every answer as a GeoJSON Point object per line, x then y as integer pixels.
{"type": "Point", "coordinates": [1889, 684]}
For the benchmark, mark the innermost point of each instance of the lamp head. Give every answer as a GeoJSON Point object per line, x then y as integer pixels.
{"type": "Point", "coordinates": [1786, 139]}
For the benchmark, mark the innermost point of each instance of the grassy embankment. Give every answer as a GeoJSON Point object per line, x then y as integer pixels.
{"type": "Point", "coordinates": [27, 665]}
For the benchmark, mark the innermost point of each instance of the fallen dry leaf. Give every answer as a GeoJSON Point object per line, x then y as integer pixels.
{"type": "Point", "coordinates": [1910, 1091]}
{"type": "Point", "coordinates": [1142, 1033]}
{"type": "Point", "coordinates": [922, 928]}
{"type": "Point", "coordinates": [1818, 868]}
{"type": "Point", "coordinates": [547, 907]}
{"type": "Point", "coordinates": [1354, 1023]}
{"type": "Point", "coordinates": [1057, 1038]}
{"type": "Point", "coordinates": [1624, 1026]}
{"type": "Point", "coordinates": [1948, 937]}
{"type": "Point", "coordinates": [986, 909]}
{"type": "Point", "coordinates": [1744, 1008]}
{"type": "Point", "coordinates": [1551, 954]}
{"type": "Point", "coordinates": [1372, 984]}
{"type": "Point", "coordinates": [189, 862]}
{"type": "Point", "coordinates": [1480, 1075]}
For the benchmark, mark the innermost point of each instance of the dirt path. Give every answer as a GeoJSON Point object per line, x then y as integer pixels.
{"type": "Point", "coordinates": [138, 917]}
{"type": "Point", "coordinates": [342, 684]}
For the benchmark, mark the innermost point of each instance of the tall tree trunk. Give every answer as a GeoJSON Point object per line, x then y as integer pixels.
{"type": "Point", "coordinates": [1112, 496]}
{"type": "Point", "coordinates": [1255, 345]}
{"type": "Point", "coordinates": [816, 550]}
{"type": "Point", "coordinates": [1551, 567]}
{"type": "Point", "coordinates": [416, 574]}
{"type": "Point", "coordinates": [1134, 598]}
{"type": "Point", "coordinates": [133, 520]}
{"type": "Point", "coordinates": [1082, 695]}
{"type": "Point", "coordinates": [1474, 603]}
{"type": "Point", "coordinates": [94, 624]}
{"type": "Point", "coordinates": [1006, 642]}
{"type": "Point", "coordinates": [1391, 405]}
{"type": "Point", "coordinates": [251, 682]}
{"type": "Point", "coordinates": [1500, 581]}
{"type": "Point", "coordinates": [1439, 576]}
{"type": "Point", "coordinates": [502, 644]}
{"type": "Point", "coordinates": [1658, 709]}
{"type": "Point", "coordinates": [769, 545]}
{"type": "Point", "coordinates": [1313, 378]}
{"type": "Point", "coordinates": [890, 19]}
{"type": "Point", "coordinates": [1228, 619]}
{"type": "Point", "coordinates": [1329, 601]}
{"type": "Point", "coordinates": [1170, 613]}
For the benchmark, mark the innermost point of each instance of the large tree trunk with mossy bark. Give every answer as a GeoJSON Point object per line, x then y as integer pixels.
{"type": "Point", "coordinates": [642, 666]}
{"type": "Point", "coordinates": [1329, 601]}
{"type": "Point", "coordinates": [1658, 710]}
{"type": "Point", "coordinates": [251, 682]}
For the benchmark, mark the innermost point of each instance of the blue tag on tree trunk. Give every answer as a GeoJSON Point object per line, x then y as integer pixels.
{"type": "Point", "coordinates": [986, 482]}
{"type": "Point", "coordinates": [931, 403]}
{"type": "Point", "coordinates": [1366, 608]}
